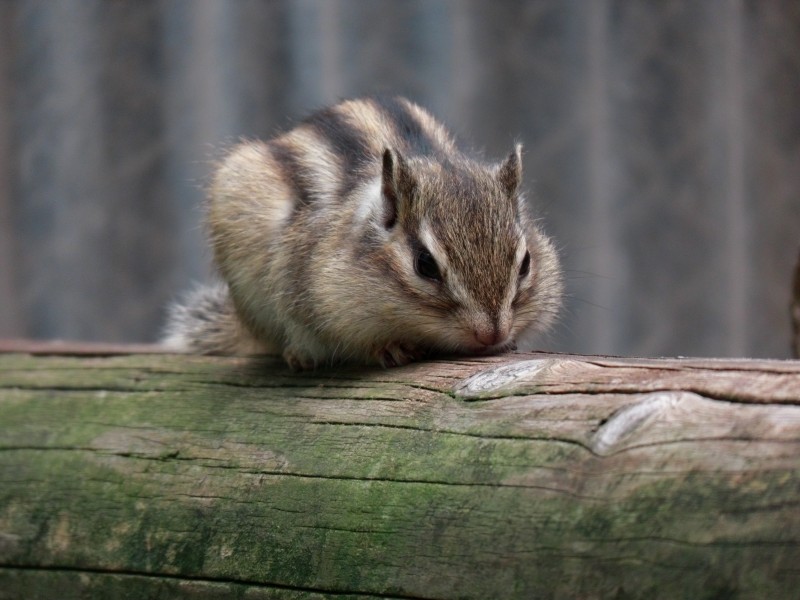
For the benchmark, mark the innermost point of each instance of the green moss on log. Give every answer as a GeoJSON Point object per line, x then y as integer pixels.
{"type": "Point", "coordinates": [190, 476]}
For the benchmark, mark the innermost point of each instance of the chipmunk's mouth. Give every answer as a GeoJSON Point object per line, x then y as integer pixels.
{"type": "Point", "coordinates": [490, 339]}
{"type": "Point", "coordinates": [507, 345]}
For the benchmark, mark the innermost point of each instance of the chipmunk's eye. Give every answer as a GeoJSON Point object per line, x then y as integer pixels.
{"type": "Point", "coordinates": [525, 267]}
{"type": "Point", "coordinates": [425, 265]}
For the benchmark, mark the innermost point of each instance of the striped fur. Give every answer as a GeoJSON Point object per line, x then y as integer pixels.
{"type": "Point", "coordinates": [317, 233]}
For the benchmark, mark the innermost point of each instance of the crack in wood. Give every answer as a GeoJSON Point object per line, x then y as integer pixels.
{"type": "Point", "coordinates": [482, 436]}
{"type": "Point", "coordinates": [315, 476]}
{"type": "Point", "coordinates": [541, 390]}
{"type": "Point", "coordinates": [550, 376]}
{"type": "Point", "coordinates": [208, 579]}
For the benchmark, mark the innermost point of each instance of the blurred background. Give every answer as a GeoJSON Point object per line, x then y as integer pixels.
{"type": "Point", "coordinates": [662, 147]}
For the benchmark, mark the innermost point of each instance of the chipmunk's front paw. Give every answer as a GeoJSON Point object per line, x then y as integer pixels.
{"type": "Point", "coordinates": [298, 360]}
{"type": "Point", "coordinates": [509, 346]}
{"type": "Point", "coordinates": [397, 355]}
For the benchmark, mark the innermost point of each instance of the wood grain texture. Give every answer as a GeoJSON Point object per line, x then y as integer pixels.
{"type": "Point", "coordinates": [526, 476]}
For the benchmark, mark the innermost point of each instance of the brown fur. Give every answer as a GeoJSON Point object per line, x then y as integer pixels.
{"type": "Point", "coordinates": [319, 234]}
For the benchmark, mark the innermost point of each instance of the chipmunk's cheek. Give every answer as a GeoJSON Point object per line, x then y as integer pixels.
{"type": "Point", "coordinates": [462, 338]}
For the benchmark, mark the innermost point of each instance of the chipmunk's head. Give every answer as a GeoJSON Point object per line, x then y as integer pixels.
{"type": "Point", "coordinates": [468, 255]}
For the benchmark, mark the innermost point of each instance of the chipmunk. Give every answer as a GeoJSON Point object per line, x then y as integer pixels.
{"type": "Point", "coordinates": [365, 235]}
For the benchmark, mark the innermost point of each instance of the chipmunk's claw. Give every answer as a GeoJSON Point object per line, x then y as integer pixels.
{"type": "Point", "coordinates": [397, 354]}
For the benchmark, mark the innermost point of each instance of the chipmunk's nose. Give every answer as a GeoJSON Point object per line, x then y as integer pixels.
{"type": "Point", "coordinates": [490, 336]}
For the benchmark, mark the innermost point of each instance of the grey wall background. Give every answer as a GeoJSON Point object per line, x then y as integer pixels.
{"type": "Point", "coordinates": [662, 147]}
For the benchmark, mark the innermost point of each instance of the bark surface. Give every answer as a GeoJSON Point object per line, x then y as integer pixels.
{"type": "Point", "coordinates": [521, 476]}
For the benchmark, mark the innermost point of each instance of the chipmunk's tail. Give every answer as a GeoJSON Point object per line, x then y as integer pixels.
{"type": "Point", "coordinates": [205, 322]}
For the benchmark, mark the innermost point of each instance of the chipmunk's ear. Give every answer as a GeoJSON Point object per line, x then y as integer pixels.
{"type": "Point", "coordinates": [509, 175]}
{"type": "Point", "coordinates": [398, 186]}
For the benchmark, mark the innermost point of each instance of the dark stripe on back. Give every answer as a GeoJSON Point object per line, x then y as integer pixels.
{"type": "Point", "coordinates": [408, 128]}
{"type": "Point", "coordinates": [347, 142]}
{"type": "Point", "coordinates": [299, 178]}
{"type": "Point", "coordinates": [293, 171]}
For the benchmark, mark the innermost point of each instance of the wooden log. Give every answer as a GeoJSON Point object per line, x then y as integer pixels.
{"type": "Point", "coordinates": [524, 476]}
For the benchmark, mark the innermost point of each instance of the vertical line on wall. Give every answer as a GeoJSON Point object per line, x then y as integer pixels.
{"type": "Point", "coordinates": [463, 65]}
{"type": "Point", "coordinates": [201, 108]}
{"type": "Point", "coordinates": [330, 38]}
{"type": "Point", "coordinates": [58, 116]}
{"type": "Point", "coordinates": [435, 43]}
{"type": "Point", "coordinates": [10, 315]}
{"type": "Point", "coordinates": [738, 229]}
{"type": "Point", "coordinates": [729, 132]}
{"type": "Point", "coordinates": [605, 262]}
{"type": "Point", "coordinates": [318, 78]}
